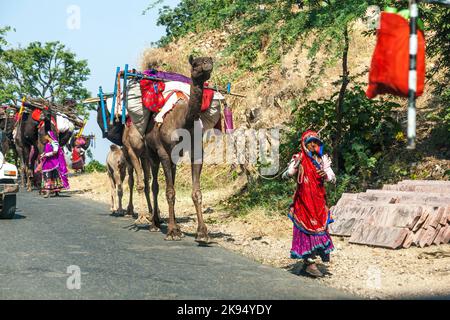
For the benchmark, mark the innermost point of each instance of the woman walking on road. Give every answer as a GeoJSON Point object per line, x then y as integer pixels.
{"type": "Point", "coordinates": [54, 169]}
{"type": "Point", "coordinates": [309, 211]}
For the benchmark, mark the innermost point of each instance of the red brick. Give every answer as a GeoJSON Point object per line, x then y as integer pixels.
{"type": "Point", "coordinates": [426, 236]}
{"type": "Point", "coordinates": [417, 236]}
{"type": "Point", "coordinates": [440, 236]}
{"type": "Point", "coordinates": [408, 240]}
{"type": "Point", "coordinates": [443, 220]}
{"type": "Point", "coordinates": [446, 237]}
{"type": "Point", "coordinates": [386, 237]}
{"type": "Point", "coordinates": [436, 217]}
{"type": "Point", "coordinates": [421, 221]}
{"type": "Point", "coordinates": [430, 218]}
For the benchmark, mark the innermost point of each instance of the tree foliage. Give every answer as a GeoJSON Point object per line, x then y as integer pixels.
{"type": "Point", "coordinates": [43, 70]}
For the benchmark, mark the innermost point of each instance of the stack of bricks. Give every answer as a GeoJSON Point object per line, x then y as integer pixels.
{"type": "Point", "coordinates": [410, 213]}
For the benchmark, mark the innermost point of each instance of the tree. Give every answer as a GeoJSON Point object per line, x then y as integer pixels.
{"type": "Point", "coordinates": [49, 71]}
{"type": "Point", "coordinates": [3, 42]}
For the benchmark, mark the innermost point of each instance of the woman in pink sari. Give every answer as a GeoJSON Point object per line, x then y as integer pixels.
{"type": "Point", "coordinates": [309, 211]}
{"type": "Point", "coordinates": [54, 169]}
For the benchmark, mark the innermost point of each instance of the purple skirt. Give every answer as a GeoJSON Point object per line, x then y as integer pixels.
{"type": "Point", "coordinates": [309, 245]}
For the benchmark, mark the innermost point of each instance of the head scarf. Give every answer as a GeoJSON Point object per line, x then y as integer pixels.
{"type": "Point", "coordinates": [80, 141]}
{"type": "Point", "coordinates": [310, 136]}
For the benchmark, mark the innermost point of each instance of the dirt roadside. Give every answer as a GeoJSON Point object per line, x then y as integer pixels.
{"type": "Point", "coordinates": [373, 273]}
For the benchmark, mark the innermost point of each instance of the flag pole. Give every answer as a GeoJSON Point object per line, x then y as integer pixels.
{"type": "Point", "coordinates": [412, 77]}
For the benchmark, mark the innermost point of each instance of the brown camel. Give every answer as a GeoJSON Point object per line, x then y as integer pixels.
{"type": "Point", "coordinates": [160, 147]}
{"type": "Point", "coordinates": [27, 137]}
{"type": "Point", "coordinates": [116, 168]}
{"type": "Point", "coordinates": [135, 154]}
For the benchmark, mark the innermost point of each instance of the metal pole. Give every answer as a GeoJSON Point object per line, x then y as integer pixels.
{"type": "Point", "coordinates": [113, 107]}
{"type": "Point", "coordinates": [102, 104]}
{"type": "Point", "coordinates": [125, 94]}
{"type": "Point", "coordinates": [412, 78]}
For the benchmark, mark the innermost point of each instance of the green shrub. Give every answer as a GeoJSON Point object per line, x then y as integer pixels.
{"type": "Point", "coordinates": [369, 130]}
{"type": "Point", "coordinates": [95, 166]}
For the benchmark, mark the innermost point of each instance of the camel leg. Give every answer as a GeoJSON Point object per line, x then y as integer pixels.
{"type": "Point", "coordinates": [29, 178]}
{"type": "Point", "coordinates": [202, 232]}
{"type": "Point", "coordinates": [32, 161]}
{"type": "Point", "coordinates": [146, 170]}
{"type": "Point", "coordinates": [117, 178]}
{"type": "Point", "coordinates": [145, 218]}
{"type": "Point", "coordinates": [156, 222]}
{"type": "Point", "coordinates": [130, 208]}
{"type": "Point", "coordinates": [173, 230]}
{"type": "Point", "coordinates": [22, 167]}
{"type": "Point", "coordinates": [113, 193]}
{"type": "Point", "coordinates": [134, 160]}
{"type": "Point", "coordinates": [25, 167]}
{"type": "Point", "coordinates": [22, 176]}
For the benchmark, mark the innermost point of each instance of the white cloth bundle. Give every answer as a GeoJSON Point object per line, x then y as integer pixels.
{"type": "Point", "coordinates": [64, 124]}
{"type": "Point", "coordinates": [209, 119]}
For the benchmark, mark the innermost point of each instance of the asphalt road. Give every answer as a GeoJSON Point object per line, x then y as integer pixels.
{"type": "Point", "coordinates": [117, 262]}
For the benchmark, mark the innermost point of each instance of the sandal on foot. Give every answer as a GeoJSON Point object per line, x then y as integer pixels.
{"type": "Point", "coordinates": [312, 270]}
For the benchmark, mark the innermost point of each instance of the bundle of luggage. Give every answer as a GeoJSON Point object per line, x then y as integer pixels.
{"type": "Point", "coordinates": [61, 122]}
{"type": "Point", "coordinates": [156, 97]}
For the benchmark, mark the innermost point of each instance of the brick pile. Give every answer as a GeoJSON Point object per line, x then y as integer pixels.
{"type": "Point", "coordinates": [410, 213]}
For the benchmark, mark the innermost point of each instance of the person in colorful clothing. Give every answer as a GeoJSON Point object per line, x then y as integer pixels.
{"type": "Point", "coordinates": [309, 211]}
{"type": "Point", "coordinates": [79, 154]}
{"type": "Point", "coordinates": [53, 164]}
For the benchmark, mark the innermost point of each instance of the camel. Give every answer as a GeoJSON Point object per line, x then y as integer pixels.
{"type": "Point", "coordinates": [116, 168]}
{"type": "Point", "coordinates": [135, 154]}
{"type": "Point", "coordinates": [6, 128]}
{"type": "Point", "coordinates": [160, 147]}
{"type": "Point", "coordinates": [26, 138]}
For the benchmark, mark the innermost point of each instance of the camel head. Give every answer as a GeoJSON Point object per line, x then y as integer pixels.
{"type": "Point", "coordinates": [201, 68]}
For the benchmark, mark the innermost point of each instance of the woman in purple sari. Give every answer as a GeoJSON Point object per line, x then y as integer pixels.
{"type": "Point", "coordinates": [54, 169]}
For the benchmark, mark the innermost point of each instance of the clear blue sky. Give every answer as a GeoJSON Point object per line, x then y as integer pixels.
{"type": "Point", "coordinates": [111, 33]}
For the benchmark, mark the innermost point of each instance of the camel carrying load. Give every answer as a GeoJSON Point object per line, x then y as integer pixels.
{"type": "Point", "coordinates": [141, 115]}
{"type": "Point", "coordinates": [152, 93]}
{"type": "Point", "coordinates": [35, 117]}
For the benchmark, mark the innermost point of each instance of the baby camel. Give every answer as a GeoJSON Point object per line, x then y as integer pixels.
{"type": "Point", "coordinates": [116, 167]}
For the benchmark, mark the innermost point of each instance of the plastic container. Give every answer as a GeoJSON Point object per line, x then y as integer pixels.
{"type": "Point", "coordinates": [228, 115]}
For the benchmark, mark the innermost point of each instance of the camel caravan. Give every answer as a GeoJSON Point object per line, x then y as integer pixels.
{"type": "Point", "coordinates": [145, 118]}
{"type": "Point", "coordinates": [23, 130]}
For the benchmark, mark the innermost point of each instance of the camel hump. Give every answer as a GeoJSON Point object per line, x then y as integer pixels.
{"type": "Point", "coordinates": [114, 147]}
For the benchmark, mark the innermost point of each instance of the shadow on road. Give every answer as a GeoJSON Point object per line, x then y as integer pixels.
{"type": "Point", "coordinates": [298, 269]}
{"type": "Point", "coordinates": [18, 217]}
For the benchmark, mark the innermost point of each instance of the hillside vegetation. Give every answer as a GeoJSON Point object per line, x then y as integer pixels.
{"type": "Point", "coordinates": [288, 58]}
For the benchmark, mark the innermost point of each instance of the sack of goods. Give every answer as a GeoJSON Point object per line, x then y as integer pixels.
{"type": "Point", "coordinates": [389, 70]}
{"type": "Point", "coordinates": [152, 97]}
{"type": "Point", "coordinates": [137, 112]}
{"type": "Point", "coordinates": [64, 124]}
